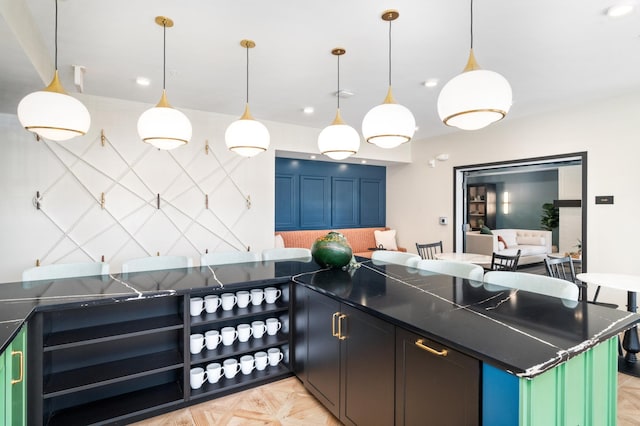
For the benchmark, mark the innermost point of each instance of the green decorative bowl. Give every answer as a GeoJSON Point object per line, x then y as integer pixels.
{"type": "Point", "coordinates": [332, 250]}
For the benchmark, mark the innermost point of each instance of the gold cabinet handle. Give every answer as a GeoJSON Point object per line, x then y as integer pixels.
{"type": "Point", "coordinates": [334, 333]}
{"type": "Point", "coordinates": [16, 381]}
{"type": "Point", "coordinates": [421, 345]}
{"type": "Point", "coordinates": [340, 318]}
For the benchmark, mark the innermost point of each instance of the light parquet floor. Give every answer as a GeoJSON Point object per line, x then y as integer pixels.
{"type": "Point", "coordinates": [287, 403]}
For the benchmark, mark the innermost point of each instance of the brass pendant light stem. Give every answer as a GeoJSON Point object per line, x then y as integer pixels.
{"type": "Point", "coordinates": [164, 103]}
{"type": "Point", "coordinates": [55, 85]}
{"type": "Point", "coordinates": [246, 115]}
{"type": "Point", "coordinates": [389, 16]}
{"type": "Point", "coordinates": [472, 64]}
{"type": "Point", "coordinates": [338, 119]}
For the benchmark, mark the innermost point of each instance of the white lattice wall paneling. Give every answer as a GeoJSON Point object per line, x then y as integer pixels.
{"type": "Point", "coordinates": [179, 202]}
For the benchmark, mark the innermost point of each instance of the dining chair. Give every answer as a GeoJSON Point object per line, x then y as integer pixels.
{"type": "Point", "coordinates": [458, 269]}
{"type": "Point", "coordinates": [286, 253]}
{"type": "Point", "coordinates": [504, 262]}
{"type": "Point", "coordinates": [153, 263]}
{"type": "Point", "coordinates": [560, 267]}
{"type": "Point", "coordinates": [227, 257]}
{"type": "Point", "coordinates": [65, 270]}
{"type": "Point", "coordinates": [398, 257]}
{"type": "Point", "coordinates": [429, 250]}
{"type": "Point", "coordinates": [534, 283]}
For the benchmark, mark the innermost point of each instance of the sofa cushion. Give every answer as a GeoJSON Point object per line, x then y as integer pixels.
{"type": "Point", "coordinates": [278, 242]}
{"type": "Point", "coordinates": [509, 236]}
{"type": "Point", "coordinates": [386, 239]}
{"type": "Point", "coordinates": [531, 241]}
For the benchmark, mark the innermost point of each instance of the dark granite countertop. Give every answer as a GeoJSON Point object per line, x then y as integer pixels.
{"type": "Point", "coordinates": [520, 332]}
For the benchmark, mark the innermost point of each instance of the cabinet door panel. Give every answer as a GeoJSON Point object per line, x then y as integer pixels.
{"type": "Point", "coordinates": [315, 202]}
{"type": "Point", "coordinates": [368, 357]}
{"type": "Point", "coordinates": [445, 390]}
{"type": "Point", "coordinates": [287, 202]}
{"type": "Point", "coordinates": [372, 202]}
{"type": "Point", "coordinates": [323, 351]}
{"type": "Point", "coordinates": [344, 202]}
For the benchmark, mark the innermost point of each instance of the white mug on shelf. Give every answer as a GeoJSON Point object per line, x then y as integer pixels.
{"type": "Point", "coordinates": [196, 306]}
{"type": "Point", "coordinates": [197, 376]}
{"type": "Point", "coordinates": [261, 360]}
{"type": "Point", "coordinates": [244, 332]}
{"type": "Point", "coordinates": [231, 368]}
{"type": "Point", "coordinates": [212, 303]}
{"type": "Point", "coordinates": [259, 328]}
{"type": "Point", "coordinates": [229, 335]}
{"type": "Point", "coordinates": [212, 339]}
{"type": "Point", "coordinates": [228, 301]}
{"type": "Point", "coordinates": [271, 294]}
{"type": "Point", "coordinates": [257, 296]}
{"type": "Point", "coordinates": [275, 356]}
{"type": "Point", "coordinates": [214, 372]}
{"type": "Point", "coordinates": [243, 297]}
{"type": "Point", "coordinates": [246, 364]}
{"type": "Point", "coordinates": [273, 326]}
{"type": "Point", "coordinates": [196, 343]}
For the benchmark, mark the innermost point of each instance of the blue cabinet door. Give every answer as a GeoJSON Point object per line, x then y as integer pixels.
{"type": "Point", "coordinates": [315, 202]}
{"type": "Point", "coordinates": [372, 202]}
{"type": "Point", "coordinates": [287, 202]}
{"type": "Point", "coordinates": [344, 202]}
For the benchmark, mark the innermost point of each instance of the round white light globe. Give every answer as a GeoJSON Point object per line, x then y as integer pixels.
{"type": "Point", "coordinates": [53, 115]}
{"type": "Point", "coordinates": [338, 141]}
{"type": "Point", "coordinates": [247, 137]}
{"type": "Point", "coordinates": [388, 125]}
{"type": "Point", "coordinates": [474, 99]}
{"type": "Point", "coordinates": [164, 127]}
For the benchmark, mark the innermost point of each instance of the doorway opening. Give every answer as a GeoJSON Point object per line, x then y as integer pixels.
{"type": "Point", "coordinates": [518, 189]}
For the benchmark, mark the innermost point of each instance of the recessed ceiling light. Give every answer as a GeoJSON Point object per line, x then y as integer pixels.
{"type": "Point", "coordinates": [363, 161]}
{"type": "Point", "coordinates": [619, 10]}
{"type": "Point", "coordinates": [313, 157]}
{"type": "Point", "coordinates": [308, 110]}
{"type": "Point", "coordinates": [143, 81]}
{"type": "Point", "coordinates": [432, 82]}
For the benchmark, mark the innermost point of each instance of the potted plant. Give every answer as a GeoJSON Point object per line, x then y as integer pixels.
{"type": "Point", "coordinates": [550, 217]}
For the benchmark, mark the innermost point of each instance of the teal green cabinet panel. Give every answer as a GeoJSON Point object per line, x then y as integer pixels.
{"type": "Point", "coordinates": [13, 398]}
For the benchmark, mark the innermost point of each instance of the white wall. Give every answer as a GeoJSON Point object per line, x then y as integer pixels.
{"type": "Point", "coordinates": [71, 226]}
{"type": "Point", "coordinates": [607, 130]}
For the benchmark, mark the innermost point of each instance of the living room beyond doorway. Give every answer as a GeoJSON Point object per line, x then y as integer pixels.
{"type": "Point", "coordinates": [544, 193]}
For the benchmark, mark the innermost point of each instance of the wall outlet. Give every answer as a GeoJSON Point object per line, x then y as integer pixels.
{"type": "Point", "coordinates": [443, 220]}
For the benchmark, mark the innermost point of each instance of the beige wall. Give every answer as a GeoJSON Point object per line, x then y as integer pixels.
{"type": "Point", "coordinates": [608, 130]}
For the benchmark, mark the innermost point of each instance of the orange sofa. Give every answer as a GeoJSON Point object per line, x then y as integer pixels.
{"type": "Point", "coordinates": [361, 240]}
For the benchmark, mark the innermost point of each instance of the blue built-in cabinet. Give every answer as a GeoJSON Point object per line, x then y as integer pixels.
{"type": "Point", "coordinates": [326, 195]}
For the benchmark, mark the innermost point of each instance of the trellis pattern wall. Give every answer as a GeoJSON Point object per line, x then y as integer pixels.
{"type": "Point", "coordinates": [107, 195]}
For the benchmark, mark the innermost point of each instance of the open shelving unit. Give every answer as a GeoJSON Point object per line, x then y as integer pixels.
{"type": "Point", "coordinates": [116, 362]}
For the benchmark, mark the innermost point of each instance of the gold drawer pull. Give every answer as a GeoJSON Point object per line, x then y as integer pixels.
{"type": "Point", "coordinates": [421, 345]}
{"type": "Point", "coordinates": [16, 381]}
{"type": "Point", "coordinates": [340, 318]}
{"type": "Point", "coordinates": [334, 333]}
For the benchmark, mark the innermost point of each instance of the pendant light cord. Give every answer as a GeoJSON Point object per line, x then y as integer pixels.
{"type": "Point", "coordinates": [390, 53]}
{"type": "Point", "coordinates": [338, 92]}
{"type": "Point", "coordinates": [471, 24]}
{"type": "Point", "coordinates": [247, 48]}
{"type": "Point", "coordinates": [56, 38]}
{"type": "Point", "coordinates": [164, 54]}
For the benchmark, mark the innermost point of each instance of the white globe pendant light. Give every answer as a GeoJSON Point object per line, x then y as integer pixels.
{"type": "Point", "coordinates": [390, 124]}
{"type": "Point", "coordinates": [51, 113]}
{"type": "Point", "coordinates": [163, 126]}
{"type": "Point", "coordinates": [246, 136]}
{"type": "Point", "coordinates": [339, 140]}
{"type": "Point", "coordinates": [475, 98]}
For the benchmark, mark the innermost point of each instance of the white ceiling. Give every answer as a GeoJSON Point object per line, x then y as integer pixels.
{"type": "Point", "coordinates": [554, 53]}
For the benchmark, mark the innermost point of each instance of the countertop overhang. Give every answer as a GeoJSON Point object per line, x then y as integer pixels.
{"type": "Point", "coordinates": [517, 331]}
